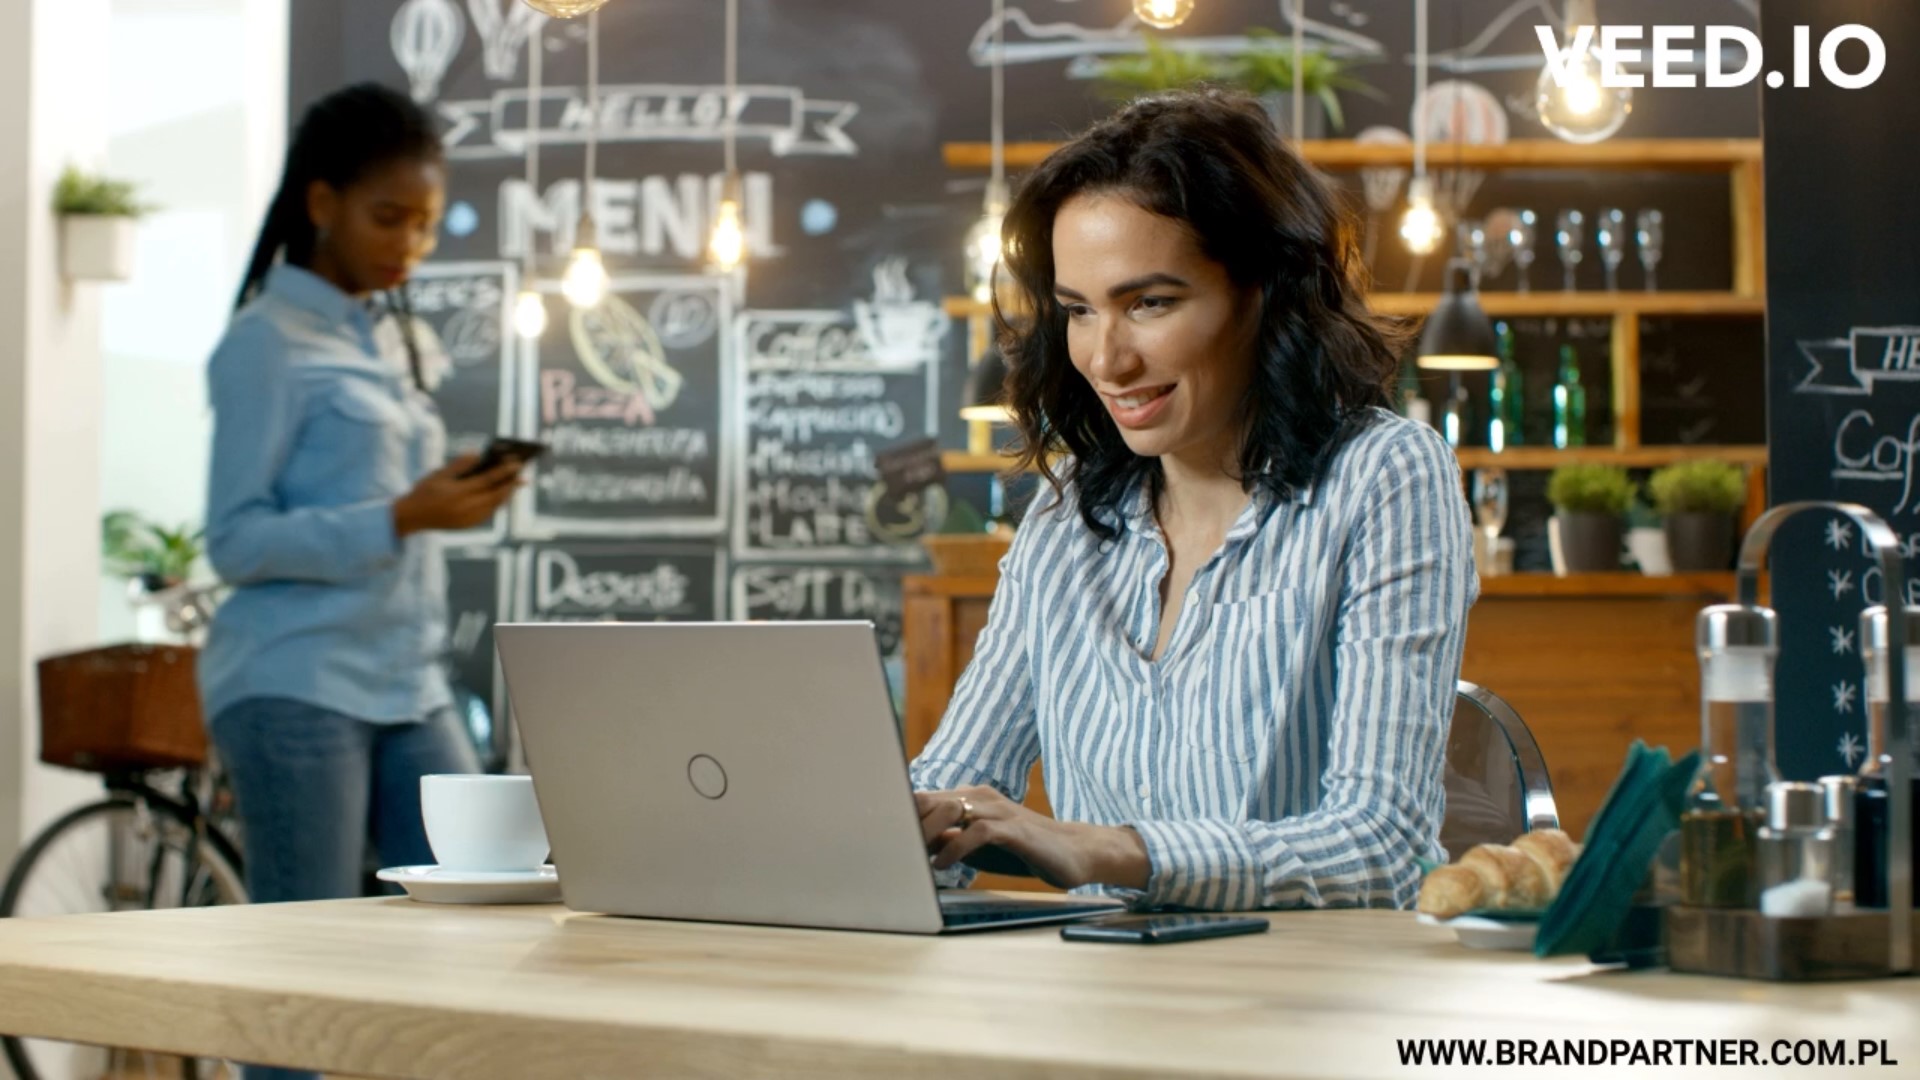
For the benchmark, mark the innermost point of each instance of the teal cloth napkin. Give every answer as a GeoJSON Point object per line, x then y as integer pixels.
{"type": "Point", "coordinates": [1641, 810]}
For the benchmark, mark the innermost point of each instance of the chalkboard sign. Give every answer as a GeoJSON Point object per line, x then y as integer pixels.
{"type": "Point", "coordinates": [1843, 346]}
{"type": "Point", "coordinates": [479, 590]}
{"type": "Point", "coordinates": [621, 583]}
{"type": "Point", "coordinates": [464, 307]}
{"type": "Point", "coordinates": [827, 392]}
{"type": "Point", "coordinates": [785, 592]}
{"type": "Point", "coordinates": [631, 398]}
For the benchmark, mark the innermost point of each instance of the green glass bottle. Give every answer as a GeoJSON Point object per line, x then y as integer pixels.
{"type": "Point", "coordinates": [1569, 401]}
{"type": "Point", "coordinates": [1513, 398]}
{"type": "Point", "coordinates": [1413, 403]}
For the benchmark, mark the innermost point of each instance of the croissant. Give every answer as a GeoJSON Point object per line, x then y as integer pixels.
{"type": "Point", "coordinates": [1523, 875]}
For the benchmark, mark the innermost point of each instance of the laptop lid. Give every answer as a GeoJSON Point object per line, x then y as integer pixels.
{"type": "Point", "coordinates": [729, 772]}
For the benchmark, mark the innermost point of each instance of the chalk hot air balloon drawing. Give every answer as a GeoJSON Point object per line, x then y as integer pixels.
{"type": "Point", "coordinates": [1382, 183]}
{"type": "Point", "coordinates": [426, 38]}
{"type": "Point", "coordinates": [503, 26]}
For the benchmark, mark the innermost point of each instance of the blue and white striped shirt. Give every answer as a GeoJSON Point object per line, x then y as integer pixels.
{"type": "Point", "coordinates": [1287, 749]}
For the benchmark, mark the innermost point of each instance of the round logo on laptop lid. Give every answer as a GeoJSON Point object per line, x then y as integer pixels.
{"type": "Point", "coordinates": [706, 776]}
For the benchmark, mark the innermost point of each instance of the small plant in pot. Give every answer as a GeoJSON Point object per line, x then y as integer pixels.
{"type": "Point", "coordinates": [1591, 501]}
{"type": "Point", "coordinates": [1159, 68]}
{"type": "Point", "coordinates": [157, 563]}
{"type": "Point", "coordinates": [97, 218]}
{"type": "Point", "coordinates": [1266, 72]}
{"type": "Point", "coordinates": [1698, 500]}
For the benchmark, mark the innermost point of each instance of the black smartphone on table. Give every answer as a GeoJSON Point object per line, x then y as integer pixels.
{"type": "Point", "coordinates": [1156, 929]}
{"type": "Point", "coordinates": [503, 449]}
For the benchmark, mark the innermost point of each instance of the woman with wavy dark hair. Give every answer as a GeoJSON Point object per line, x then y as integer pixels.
{"type": "Point", "coordinates": [1233, 629]}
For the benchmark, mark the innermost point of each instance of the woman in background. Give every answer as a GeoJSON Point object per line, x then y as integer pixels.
{"type": "Point", "coordinates": [321, 673]}
{"type": "Point", "coordinates": [1233, 632]}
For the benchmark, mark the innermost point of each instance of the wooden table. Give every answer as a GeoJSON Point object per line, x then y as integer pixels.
{"type": "Point", "coordinates": [391, 988]}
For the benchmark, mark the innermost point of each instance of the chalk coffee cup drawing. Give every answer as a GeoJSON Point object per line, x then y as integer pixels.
{"type": "Point", "coordinates": [483, 824]}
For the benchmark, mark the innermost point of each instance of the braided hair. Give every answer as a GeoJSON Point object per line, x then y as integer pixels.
{"type": "Point", "coordinates": [341, 138]}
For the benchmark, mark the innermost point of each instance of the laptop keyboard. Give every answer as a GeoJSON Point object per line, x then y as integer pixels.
{"type": "Point", "coordinates": [974, 913]}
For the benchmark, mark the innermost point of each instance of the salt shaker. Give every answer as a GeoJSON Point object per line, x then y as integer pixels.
{"type": "Point", "coordinates": [1837, 797]}
{"type": "Point", "coordinates": [1796, 852]}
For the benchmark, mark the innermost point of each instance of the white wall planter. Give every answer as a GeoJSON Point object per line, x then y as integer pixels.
{"type": "Point", "coordinates": [97, 247]}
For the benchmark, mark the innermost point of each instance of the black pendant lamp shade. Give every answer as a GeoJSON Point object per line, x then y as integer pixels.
{"type": "Point", "coordinates": [1458, 336]}
{"type": "Point", "coordinates": [986, 397]}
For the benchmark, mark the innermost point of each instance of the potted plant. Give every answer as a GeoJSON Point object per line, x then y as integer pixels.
{"type": "Point", "coordinates": [97, 217]}
{"type": "Point", "coordinates": [967, 544]}
{"type": "Point", "coordinates": [156, 563]}
{"type": "Point", "coordinates": [1698, 499]}
{"type": "Point", "coordinates": [1590, 500]}
{"type": "Point", "coordinates": [1266, 72]}
{"type": "Point", "coordinates": [1161, 67]}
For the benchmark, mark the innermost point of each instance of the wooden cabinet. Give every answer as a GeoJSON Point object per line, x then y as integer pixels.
{"type": "Point", "coordinates": [1591, 662]}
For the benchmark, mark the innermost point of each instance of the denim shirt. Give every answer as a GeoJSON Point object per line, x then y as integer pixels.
{"type": "Point", "coordinates": [317, 429]}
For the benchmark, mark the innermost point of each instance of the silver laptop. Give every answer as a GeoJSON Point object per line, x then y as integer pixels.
{"type": "Point", "coordinates": [734, 772]}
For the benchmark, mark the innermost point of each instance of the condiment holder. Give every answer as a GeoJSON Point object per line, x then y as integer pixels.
{"type": "Point", "coordinates": [1749, 840]}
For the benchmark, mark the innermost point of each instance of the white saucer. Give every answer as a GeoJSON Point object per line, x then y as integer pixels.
{"type": "Point", "coordinates": [1476, 932]}
{"type": "Point", "coordinates": [435, 885]}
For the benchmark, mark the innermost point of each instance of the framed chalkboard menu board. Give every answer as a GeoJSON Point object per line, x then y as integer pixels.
{"type": "Point", "coordinates": [620, 583]}
{"type": "Point", "coordinates": [631, 397]}
{"type": "Point", "coordinates": [463, 308]}
{"type": "Point", "coordinates": [826, 392]}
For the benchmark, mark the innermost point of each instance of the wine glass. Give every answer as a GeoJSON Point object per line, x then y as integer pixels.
{"type": "Point", "coordinates": [1569, 234]}
{"type": "Point", "coordinates": [1525, 230]}
{"type": "Point", "coordinates": [1490, 496]}
{"type": "Point", "coordinates": [1612, 234]}
{"type": "Point", "coordinates": [1650, 233]}
{"type": "Point", "coordinates": [1471, 236]}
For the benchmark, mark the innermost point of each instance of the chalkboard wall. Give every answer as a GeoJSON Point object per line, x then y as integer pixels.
{"type": "Point", "coordinates": [715, 436]}
{"type": "Point", "coordinates": [1843, 373]}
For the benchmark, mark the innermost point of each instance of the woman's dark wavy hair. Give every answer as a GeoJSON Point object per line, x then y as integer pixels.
{"type": "Point", "coordinates": [1211, 160]}
{"type": "Point", "coordinates": [341, 138]}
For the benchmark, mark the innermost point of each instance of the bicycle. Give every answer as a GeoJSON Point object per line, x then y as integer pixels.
{"type": "Point", "coordinates": [139, 848]}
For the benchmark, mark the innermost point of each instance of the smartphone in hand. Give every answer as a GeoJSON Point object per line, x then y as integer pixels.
{"type": "Point", "coordinates": [505, 449]}
{"type": "Point", "coordinates": [1160, 928]}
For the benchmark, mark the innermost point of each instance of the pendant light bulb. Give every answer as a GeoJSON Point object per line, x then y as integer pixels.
{"type": "Point", "coordinates": [1578, 106]}
{"type": "Point", "coordinates": [1420, 227]}
{"type": "Point", "coordinates": [727, 249]}
{"type": "Point", "coordinates": [566, 9]}
{"type": "Point", "coordinates": [985, 249]}
{"type": "Point", "coordinates": [1162, 14]}
{"type": "Point", "coordinates": [585, 282]}
{"type": "Point", "coordinates": [529, 314]}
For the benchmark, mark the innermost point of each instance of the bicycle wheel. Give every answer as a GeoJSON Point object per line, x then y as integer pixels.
{"type": "Point", "coordinates": [124, 853]}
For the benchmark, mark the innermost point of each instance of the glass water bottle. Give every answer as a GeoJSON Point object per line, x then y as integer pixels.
{"type": "Point", "coordinates": [1870, 820]}
{"type": "Point", "coordinates": [1720, 826]}
{"type": "Point", "coordinates": [1569, 401]}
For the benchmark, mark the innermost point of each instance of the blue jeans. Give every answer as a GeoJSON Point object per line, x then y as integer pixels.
{"type": "Point", "coordinates": [310, 787]}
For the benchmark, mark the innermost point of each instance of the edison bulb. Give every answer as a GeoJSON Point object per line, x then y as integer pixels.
{"type": "Point", "coordinates": [566, 9]}
{"type": "Point", "coordinates": [984, 252]}
{"type": "Point", "coordinates": [529, 314]}
{"type": "Point", "coordinates": [1163, 14]}
{"type": "Point", "coordinates": [1579, 107]}
{"type": "Point", "coordinates": [728, 247]}
{"type": "Point", "coordinates": [1420, 227]}
{"type": "Point", "coordinates": [585, 283]}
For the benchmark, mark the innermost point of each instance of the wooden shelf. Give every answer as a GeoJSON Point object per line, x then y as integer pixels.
{"type": "Point", "coordinates": [1665, 155]}
{"type": "Point", "coordinates": [1506, 305]}
{"type": "Point", "coordinates": [1635, 457]}
{"type": "Point", "coordinates": [1518, 458]}
{"type": "Point", "coordinates": [1624, 583]}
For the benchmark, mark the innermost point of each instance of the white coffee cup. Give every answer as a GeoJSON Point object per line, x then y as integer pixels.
{"type": "Point", "coordinates": [483, 824]}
